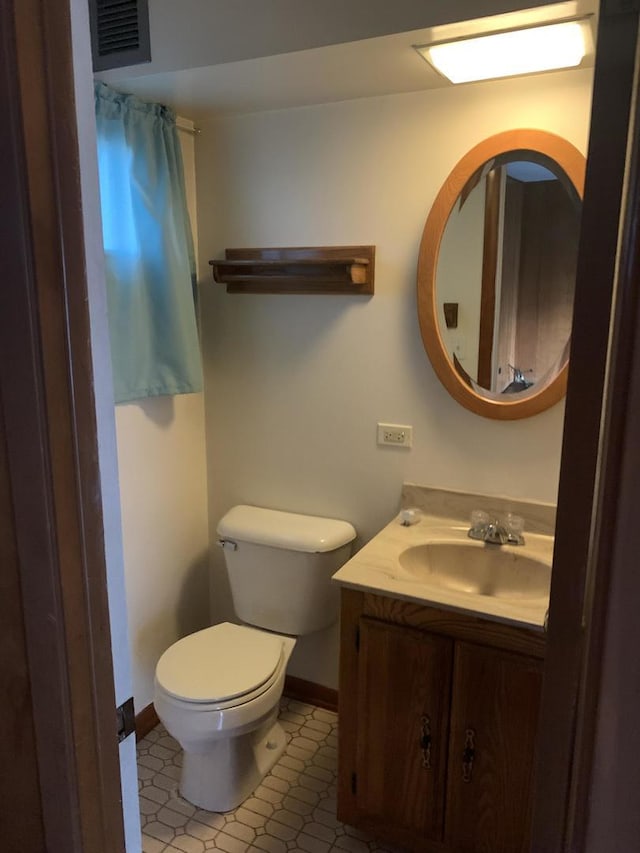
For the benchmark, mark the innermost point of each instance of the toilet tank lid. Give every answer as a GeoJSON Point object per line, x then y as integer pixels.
{"type": "Point", "coordinates": [289, 530]}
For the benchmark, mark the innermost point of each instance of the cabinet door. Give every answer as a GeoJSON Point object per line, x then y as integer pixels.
{"type": "Point", "coordinates": [404, 683]}
{"type": "Point", "coordinates": [494, 717]}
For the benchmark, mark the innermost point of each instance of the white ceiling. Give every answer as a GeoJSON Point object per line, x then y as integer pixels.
{"type": "Point", "coordinates": [357, 69]}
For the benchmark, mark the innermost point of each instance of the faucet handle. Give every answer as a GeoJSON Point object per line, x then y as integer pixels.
{"type": "Point", "coordinates": [479, 519]}
{"type": "Point", "coordinates": [514, 525]}
{"type": "Point", "coordinates": [479, 522]}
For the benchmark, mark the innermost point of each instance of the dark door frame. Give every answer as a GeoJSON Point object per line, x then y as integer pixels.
{"type": "Point", "coordinates": [51, 480]}
{"type": "Point", "coordinates": [588, 691]}
{"type": "Point", "coordinates": [46, 390]}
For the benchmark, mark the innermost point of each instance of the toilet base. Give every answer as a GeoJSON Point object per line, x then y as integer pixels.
{"type": "Point", "coordinates": [221, 779]}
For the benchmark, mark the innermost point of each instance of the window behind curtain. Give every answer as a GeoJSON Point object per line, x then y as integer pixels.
{"type": "Point", "coordinates": [150, 266]}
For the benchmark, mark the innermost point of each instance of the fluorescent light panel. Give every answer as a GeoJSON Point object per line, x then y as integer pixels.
{"type": "Point", "coordinates": [507, 54]}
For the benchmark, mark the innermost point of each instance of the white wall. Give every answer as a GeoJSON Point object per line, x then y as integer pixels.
{"type": "Point", "coordinates": [161, 457]}
{"type": "Point", "coordinates": [295, 384]}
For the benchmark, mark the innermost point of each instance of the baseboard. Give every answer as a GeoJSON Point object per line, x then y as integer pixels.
{"type": "Point", "coordinates": [146, 720]}
{"type": "Point", "coordinates": [312, 694]}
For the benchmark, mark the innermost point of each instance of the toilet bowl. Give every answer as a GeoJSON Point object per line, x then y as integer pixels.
{"type": "Point", "coordinates": [217, 691]}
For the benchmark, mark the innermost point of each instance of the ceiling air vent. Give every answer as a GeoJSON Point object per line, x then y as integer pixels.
{"type": "Point", "coordinates": [119, 33]}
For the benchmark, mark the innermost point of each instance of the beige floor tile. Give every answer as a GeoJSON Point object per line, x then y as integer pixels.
{"type": "Point", "coordinates": [258, 806]}
{"type": "Point", "coordinates": [156, 794]}
{"type": "Point", "coordinates": [325, 716]}
{"type": "Point", "coordinates": [201, 830]}
{"type": "Point", "coordinates": [280, 830]}
{"type": "Point", "coordinates": [292, 763]}
{"type": "Point", "coordinates": [159, 831]}
{"type": "Point", "coordinates": [288, 818]}
{"type": "Point", "coordinates": [188, 844]}
{"type": "Point", "coordinates": [299, 753]}
{"type": "Point", "coordinates": [152, 845]}
{"type": "Point", "coordinates": [276, 783]}
{"type": "Point", "coordinates": [270, 844]}
{"type": "Point", "coordinates": [212, 819]}
{"type": "Point", "coordinates": [318, 830]}
{"type": "Point", "coordinates": [293, 809]}
{"type": "Point", "coordinates": [178, 804]}
{"type": "Point", "coordinates": [301, 708]}
{"type": "Point", "coordinates": [161, 752]}
{"type": "Point", "coordinates": [240, 831]}
{"type": "Point", "coordinates": [165, 782]}
{"type": "Point", "coordinates": [320, 773]}
{"type": "Point", "coordinates": [171, 818]}
{"type": "Point", "coordinates": [149, 807]}
{"type": "Point", "coordinates": [249, 818]}
{"type": "Point", "coordinates": [268, 794]}
{"type": "Point", "coordinates": [312, 734]}
{"type": "Point", "coordinates": [312, 845]}
{"type": "Point", "coordinates": [304, 743]}
{"type": "Point", "coordinates": [145, 773]}
{"type": "Point", "coordinates": [353, 845]}
{"type": "Point", "coordinates": [151, 762]}
{"type": "Point", "coordinates": [304, 794]}
{"type": "Point", "coordinates": [230, 844]}
{"type": "Point", "coordinates": [319, 725]}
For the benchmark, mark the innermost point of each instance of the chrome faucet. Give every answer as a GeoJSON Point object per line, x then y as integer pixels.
{"type": "Point", "coordinates": [495, 532]}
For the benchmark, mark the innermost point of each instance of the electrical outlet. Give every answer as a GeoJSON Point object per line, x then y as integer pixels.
{"type": "Point", "coordinates": [395, 435]}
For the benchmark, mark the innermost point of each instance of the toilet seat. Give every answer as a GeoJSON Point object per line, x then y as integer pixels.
{"type": "Point", "coordinates": [220, 667]}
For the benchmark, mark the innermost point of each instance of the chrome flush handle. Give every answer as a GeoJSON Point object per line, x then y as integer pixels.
{"type": "Point", "coordinates": [228, 544]}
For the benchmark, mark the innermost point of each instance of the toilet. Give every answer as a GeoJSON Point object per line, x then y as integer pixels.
{"type": "Point", "coordinates": [217, 691]}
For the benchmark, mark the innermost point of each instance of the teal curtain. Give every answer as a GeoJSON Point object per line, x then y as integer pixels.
{"type": "Point", "coordinates": [150, 266]}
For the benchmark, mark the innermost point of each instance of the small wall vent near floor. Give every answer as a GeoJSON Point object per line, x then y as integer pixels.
{"type": "Point", "coordinates": [119, 33]}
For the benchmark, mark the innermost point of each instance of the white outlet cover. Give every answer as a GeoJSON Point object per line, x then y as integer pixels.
{"type": "Point", "coordinates": [395, 435]}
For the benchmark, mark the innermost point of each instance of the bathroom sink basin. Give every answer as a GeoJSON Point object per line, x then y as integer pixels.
{"type": "Point", "coordinates": [500, 572]}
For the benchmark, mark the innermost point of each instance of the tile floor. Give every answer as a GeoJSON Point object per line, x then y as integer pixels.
{"type": "Point", "coordinates": [294, 809]}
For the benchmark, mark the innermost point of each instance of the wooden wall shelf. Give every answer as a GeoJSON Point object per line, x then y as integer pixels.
{"type": "Point", "coordinates": [322, 269]}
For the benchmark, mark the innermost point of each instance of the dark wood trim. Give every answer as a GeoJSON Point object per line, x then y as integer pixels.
{"type": "Point", "coordinates": [47, 395]}
{"type": "Point", "coordinates": [606, 787]}
{"type": "Point", "coordinates": [351, 608]}
{"type": "Point", "coordinates": [489, 270]}
{"type": "Point", "coordinates": [557, 815]}
{"type": "Point", "coordinates": [19, 787]}
{"type": "Point", "coordinates": [311, 693]}
{"type": "Point", "coordinates": [146, 720]}
{"type": "Point", "coordinates": [460, 626]}
{"type": "Point", "coordinates": [329, 270]}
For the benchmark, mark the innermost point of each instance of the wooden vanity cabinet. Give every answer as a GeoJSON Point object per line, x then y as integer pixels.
{"type": "Point", "coordinates": [438, 721]}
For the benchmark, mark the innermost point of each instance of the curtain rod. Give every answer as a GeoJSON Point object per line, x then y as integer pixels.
{"type": "Point", "coordinates": [182, 124]}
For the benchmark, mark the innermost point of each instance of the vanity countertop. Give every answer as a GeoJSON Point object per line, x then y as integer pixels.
{"type": "Point", "coordinates": [377, 568]}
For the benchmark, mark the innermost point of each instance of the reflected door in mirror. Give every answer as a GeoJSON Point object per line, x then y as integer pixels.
{"type": "Point", "coordinates": [508, 261]}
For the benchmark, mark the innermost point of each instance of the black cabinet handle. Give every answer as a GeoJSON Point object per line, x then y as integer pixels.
{"type": "Point", "coordinates": [468, 755]}
{"type": "Point", "coordinates": [425, 741]}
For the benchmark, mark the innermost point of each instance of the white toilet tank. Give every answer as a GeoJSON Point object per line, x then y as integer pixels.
{"type": "Point", "coordinates": [280, 566]}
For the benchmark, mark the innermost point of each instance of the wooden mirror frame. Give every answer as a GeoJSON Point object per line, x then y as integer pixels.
{"type": "Point", "coordinates": [573, 163]}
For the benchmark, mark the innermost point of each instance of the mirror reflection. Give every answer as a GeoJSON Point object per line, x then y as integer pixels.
{"type": "Point", "coordinates": [506, 274]}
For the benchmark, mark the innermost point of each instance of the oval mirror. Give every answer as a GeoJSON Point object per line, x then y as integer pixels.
{"type": "Point", "coordinates": [496, 273]}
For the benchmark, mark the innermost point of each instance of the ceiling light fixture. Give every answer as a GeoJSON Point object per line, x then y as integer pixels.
{"type": "Point", "coordinates": [510, 53]}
